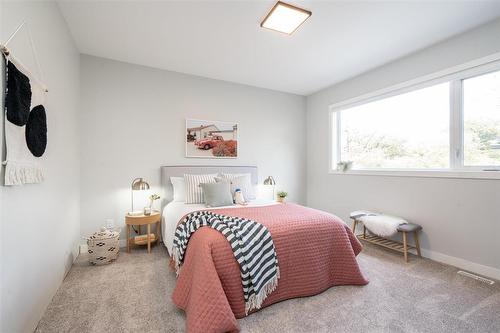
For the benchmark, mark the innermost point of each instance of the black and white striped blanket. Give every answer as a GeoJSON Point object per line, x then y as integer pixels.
{"type": "Point", "coordinates": [252, 247]}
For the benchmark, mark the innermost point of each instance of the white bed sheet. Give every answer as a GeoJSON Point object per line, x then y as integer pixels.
{"type": "Point", "coordinates": [174, 211]}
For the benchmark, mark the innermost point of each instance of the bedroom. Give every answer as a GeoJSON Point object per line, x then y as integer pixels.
{"type": "Point", "coordinates": [141, 89]}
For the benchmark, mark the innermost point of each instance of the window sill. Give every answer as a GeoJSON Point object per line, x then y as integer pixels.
{"type": "Point", "coordinates": [464, 174]}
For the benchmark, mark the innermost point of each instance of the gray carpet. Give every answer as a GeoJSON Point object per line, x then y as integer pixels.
{"type": "Point", "coordinates": [133, 295]}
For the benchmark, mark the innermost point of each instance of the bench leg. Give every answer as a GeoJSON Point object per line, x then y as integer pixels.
{"type": "Point", "coordinates": [405, 246]}
{"type": "Point", "coordinates": [364, 231]}
{"type": "Point", "coordinates": [417, 243]}
{"type": "Point", "coordinates": [354, 224]}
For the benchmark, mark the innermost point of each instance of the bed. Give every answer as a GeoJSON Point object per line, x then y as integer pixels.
{"type": "Point", "coordinates": [316, 250]}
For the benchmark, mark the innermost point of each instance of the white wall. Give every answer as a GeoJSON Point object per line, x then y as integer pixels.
{"type": "Point", "coordinates": [461, 217]}
{"type": "Point", "coordinates": [133, 121]}
{"type": "Point", "coordinates": [40, 226]}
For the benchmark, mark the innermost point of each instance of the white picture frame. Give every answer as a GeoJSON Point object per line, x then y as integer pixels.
{"type": "Point", "coordinates": [211, 139]}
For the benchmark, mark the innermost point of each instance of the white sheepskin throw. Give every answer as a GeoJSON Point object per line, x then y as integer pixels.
{"type": "Point", "coordinates": [382, 225]}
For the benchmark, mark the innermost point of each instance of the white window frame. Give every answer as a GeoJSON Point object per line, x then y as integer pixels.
{"type": "Point", "coordinates": [455, 77]}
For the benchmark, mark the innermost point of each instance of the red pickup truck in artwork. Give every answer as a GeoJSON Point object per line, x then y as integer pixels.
{"type": "Point", "coordinates": [208, 143]}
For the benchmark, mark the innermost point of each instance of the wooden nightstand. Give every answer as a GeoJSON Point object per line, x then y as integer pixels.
{"type": "Point", "coordinates": [140, 220]}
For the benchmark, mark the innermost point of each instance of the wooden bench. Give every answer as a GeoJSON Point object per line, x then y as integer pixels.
{"type": "Point", "coordinates": [404, 247]}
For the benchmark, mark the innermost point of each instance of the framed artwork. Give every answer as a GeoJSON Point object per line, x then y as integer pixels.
{"type": "Point", "coordinates": [211, 139]}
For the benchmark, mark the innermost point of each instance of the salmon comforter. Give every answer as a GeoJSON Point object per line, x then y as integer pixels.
{"type": "Point", "coordinates": [315, 250]}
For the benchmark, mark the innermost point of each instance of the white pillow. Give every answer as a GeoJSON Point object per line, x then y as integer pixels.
{"type": "Point", "coordinates": [243, 181]}
{"type": "Point", "coordinates": [179, 186]}
{"type": "Point", "coordinates": [194, 193]}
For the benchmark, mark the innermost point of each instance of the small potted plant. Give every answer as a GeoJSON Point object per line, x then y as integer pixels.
{"type": "Point", "coordinates": [344, 166]}
{"type": "Point", "coordinates": [281, 196]}
{"type": "Point", "coordinates": [152, 199]}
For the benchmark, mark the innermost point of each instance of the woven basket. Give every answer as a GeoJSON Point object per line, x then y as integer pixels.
{"type": "Point", "coordinates": [103, 246]}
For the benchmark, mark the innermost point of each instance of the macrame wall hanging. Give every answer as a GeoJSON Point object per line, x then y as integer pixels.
{"type": "Point", "coordinates": [25, 119]}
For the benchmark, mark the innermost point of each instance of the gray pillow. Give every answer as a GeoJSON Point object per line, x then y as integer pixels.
{"type": "Point", "coordinates": [217, 194]}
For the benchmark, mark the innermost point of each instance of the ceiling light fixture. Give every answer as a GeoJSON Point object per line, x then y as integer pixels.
{"type": "Point", "coordinates": [285, 18]}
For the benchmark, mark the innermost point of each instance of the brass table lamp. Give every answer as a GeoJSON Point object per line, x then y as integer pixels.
{"type": "Point", "coordinates": [270, 181]}
{"type": "Point", "coordinates": [138, 184]}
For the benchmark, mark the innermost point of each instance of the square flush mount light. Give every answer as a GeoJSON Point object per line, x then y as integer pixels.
{"type": "Point", "coordinates": [285, 18]}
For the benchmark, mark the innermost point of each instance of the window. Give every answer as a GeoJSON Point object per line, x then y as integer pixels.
{"type": "Point", "coordinates": [450, 124]}
{"type": "Point", "coordinates": [405, 131]}
{"type": "Point", "coordinates": [482, 120]}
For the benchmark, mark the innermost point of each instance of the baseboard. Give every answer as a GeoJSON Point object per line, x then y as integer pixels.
{"type": "Point", "coordinates": [76, 251]}
{"type": "Point", "coordinates": [470, 266]}
{"type": "Point", "coordinates": [84, 248]}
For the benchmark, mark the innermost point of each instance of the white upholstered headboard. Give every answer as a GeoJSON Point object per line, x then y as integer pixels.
{"type": "Point", "coordinates": [180, 170]}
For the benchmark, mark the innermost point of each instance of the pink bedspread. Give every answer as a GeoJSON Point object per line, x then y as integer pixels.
{"type": "Point", "coordinates": [315, 250]}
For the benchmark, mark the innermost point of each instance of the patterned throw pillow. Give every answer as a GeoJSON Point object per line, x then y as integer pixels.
{"type": "Point", "coordinates": [243, 181]}
{"type": "Point", "coordinates": [194, 193]}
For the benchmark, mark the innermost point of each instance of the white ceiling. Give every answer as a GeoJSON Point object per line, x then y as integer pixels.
{"type": "Point", "coordinates": [223, 39]}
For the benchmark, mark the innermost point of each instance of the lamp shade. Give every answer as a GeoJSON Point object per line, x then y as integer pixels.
{"type": "Point", "coordinates": [139, 184]}
{"type": "Point", "coordinates": [269, 181]}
